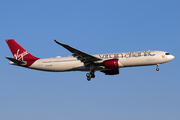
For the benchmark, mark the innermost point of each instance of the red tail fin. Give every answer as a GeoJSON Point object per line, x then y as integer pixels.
{"type": "Point", "coordinates": [19, 52]}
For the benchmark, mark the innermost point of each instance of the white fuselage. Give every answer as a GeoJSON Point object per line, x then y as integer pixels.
{"type": "Point", "coordinates": [129, 59]}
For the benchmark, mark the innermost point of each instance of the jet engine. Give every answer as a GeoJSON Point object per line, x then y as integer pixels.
{"type": "Point", "coordinates": [112, 63]}
{"type": "Point", "coordinates": [111, 72]}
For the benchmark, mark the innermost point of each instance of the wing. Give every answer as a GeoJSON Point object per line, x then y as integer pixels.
{"type": "Point", "coordinates": [83, 57]}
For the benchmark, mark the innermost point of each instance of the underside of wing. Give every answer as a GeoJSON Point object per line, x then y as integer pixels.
{"type": "Point", "coordinates": [83, 57]}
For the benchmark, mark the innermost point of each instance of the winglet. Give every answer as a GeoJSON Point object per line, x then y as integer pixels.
{"type": "Point", "coordinates": [60, 43]}
{"type": "Point", "coordinates": [56, 41]}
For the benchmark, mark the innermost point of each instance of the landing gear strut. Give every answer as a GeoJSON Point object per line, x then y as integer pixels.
{"type": "Point", "coordinates": [157, 69]}
{"type": "Point", "coordinates": [90, 75]}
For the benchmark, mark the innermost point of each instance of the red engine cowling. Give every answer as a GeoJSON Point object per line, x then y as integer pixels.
{"type": "Point", "coordinates": [113, 63]}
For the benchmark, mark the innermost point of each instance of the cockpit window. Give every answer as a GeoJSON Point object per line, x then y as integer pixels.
{"type": "Point", "coordinates": [167, 53]}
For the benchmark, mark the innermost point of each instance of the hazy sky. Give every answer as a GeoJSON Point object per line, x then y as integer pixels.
{"type": "Point", "coordinates": [96, 26]}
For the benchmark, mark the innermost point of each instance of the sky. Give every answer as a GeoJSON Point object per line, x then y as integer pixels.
{"type": "Point", "coordinates": [95, 27]}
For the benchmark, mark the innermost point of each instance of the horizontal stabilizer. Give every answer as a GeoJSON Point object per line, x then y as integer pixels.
{"type": "Point", "coordinates": [16, 61]}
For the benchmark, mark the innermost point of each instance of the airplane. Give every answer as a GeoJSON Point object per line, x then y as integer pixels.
{"type": "Point", "coordinates": [81, 61]}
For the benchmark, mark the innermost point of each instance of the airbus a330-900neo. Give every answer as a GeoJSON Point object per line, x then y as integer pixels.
{"type": "Point", "coordinates": [81, 61]}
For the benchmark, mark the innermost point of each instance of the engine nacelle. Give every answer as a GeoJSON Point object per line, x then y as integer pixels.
{"type": "Point", "coordinates": [111, 72]}
{"type": "Point", "coordinates": [112, 63]}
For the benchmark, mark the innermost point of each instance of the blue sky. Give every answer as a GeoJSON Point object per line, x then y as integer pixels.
{"type": "Point", "coordinates": [96, 26]}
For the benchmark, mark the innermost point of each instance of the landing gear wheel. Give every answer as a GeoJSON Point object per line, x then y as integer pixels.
{"type": "Point", "coordinates": [90, 75]}
{"type": "Point", "coordinates": [157, 69]}
{"type": "Point", "coordinates": [87, 75]}
{"type": "Point", "coordinates": [93, 76]}
{"type": "Point", "coordinates": [88, 78]}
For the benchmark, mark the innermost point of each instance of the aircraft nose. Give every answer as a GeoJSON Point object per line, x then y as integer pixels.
{"type": "Point", "coordinates": [171, 57]}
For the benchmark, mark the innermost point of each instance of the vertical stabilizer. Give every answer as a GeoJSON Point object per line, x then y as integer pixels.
{"type": "Point", "coordinates": [20, 53]}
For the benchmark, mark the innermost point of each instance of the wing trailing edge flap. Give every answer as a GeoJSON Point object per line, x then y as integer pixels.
{"type": "Point", "coordinates": [82, 56]}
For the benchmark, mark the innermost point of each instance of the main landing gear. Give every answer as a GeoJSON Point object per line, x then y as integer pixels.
{"type": "Point", "coordinates": [90, 75]}
{"type": "Point", "coordinates": [157, 69]}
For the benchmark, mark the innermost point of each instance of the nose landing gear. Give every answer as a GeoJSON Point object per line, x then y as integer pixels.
{"type": "Point", "coordinates": [157, 69]}
{"type": "Point", "coordinates": [90, 75]}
